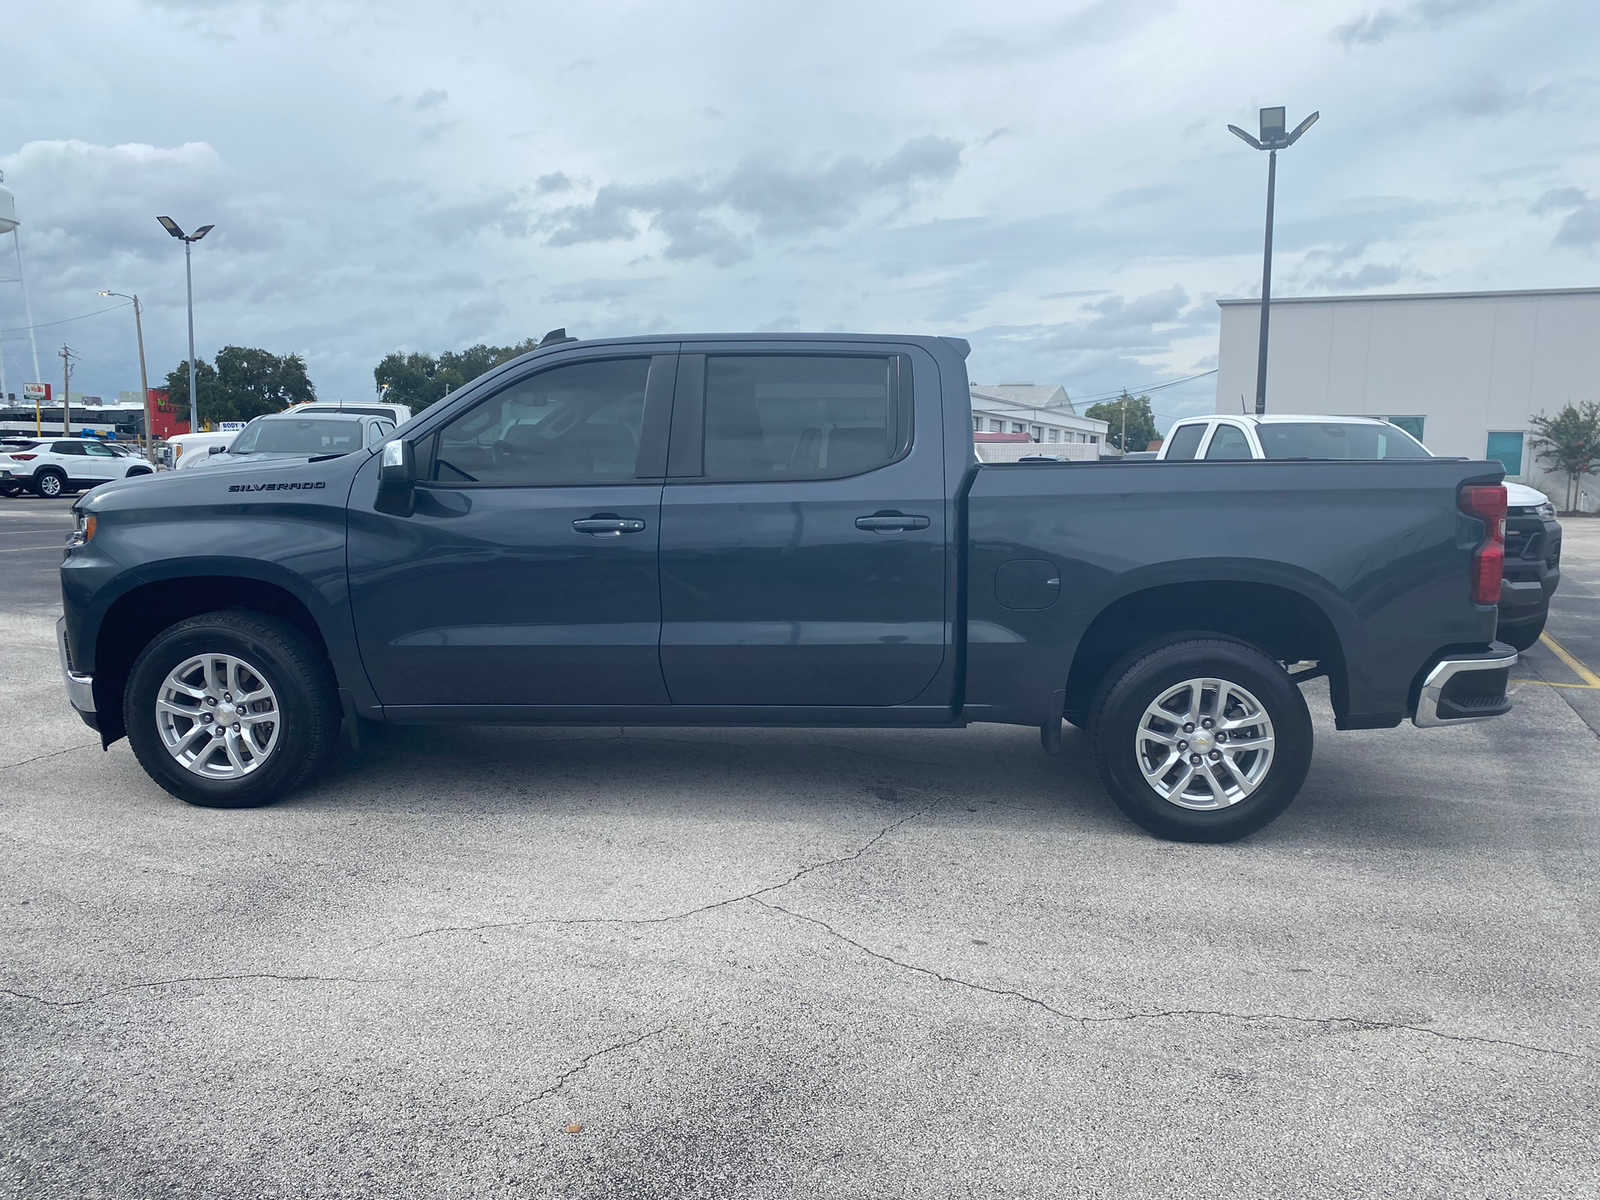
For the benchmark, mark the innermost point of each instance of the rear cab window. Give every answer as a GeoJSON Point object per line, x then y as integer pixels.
{"type": "Point", "coordinates": [1336, 440]}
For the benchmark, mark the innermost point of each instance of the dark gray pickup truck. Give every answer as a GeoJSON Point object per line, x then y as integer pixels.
{"type": "Point", "coordinates": [778, 530]}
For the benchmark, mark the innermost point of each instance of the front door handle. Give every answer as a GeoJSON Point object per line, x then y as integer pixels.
{"type": "Point", "coordinates": [608, 526]}
{"type": "Point", "coordinates": [880, 522]}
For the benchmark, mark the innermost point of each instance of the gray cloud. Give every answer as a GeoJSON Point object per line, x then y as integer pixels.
{"type": "Point", "coordinates": [698, 216]}
{"type": "Point", "coordinates": [555, 181]}
{"type": "Point", "coordinates": [1490, 97]}
{"type": "Point", "coordinates": [1093, 24]}
{"type": "Point", "coordinates": [430, 98]}
{"type": "Point", "coordinates": [1580, 228]}
{"type": "Point", "coordinates": [1559, 199]}
{"type": "Point", "coordinates": [1377, 26]}
{"type": "Point", "coordinates": [503, 212]}
{"type": "Point", "coordinates": [592, 291]}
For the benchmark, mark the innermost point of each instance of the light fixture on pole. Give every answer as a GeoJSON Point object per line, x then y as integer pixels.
{"type": "Point", "coordinates": [144, 378]}
{"type": "Point", "coordinates": [188, 240]}
{"type": "Point", "coordinates": [1275, 136]}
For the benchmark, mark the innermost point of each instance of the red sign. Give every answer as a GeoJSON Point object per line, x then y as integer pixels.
{"type": "Point", "coordinates": [164, 419]}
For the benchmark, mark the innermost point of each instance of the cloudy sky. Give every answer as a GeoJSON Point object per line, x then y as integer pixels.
{"type": "Point", "coordinates": [1053, 181]}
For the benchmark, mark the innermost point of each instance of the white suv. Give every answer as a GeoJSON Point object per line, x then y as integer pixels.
{"type": "Point", "coordinates": [61, 466]}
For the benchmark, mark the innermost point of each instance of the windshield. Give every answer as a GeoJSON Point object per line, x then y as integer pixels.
{"type": "Point", "coordinates": [1336, 439]}
{"type": "Point", "coordinates": [307, 435]}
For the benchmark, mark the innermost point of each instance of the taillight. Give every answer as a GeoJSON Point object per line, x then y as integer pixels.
{"type": "Point", "coordinates": [23, 457]}
{"type": "Point", "coordinates": [1487, 502]}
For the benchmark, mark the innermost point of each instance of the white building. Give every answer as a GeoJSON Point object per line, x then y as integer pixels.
{"type": "Point", "coordinates": [1463, 371]}
{"type": "Point", "coordinates": [1045, 414]}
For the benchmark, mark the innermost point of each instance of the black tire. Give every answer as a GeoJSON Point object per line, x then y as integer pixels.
{"type": "Point", "coordinates": [289, 662]}
{"type": "Point", "coordinates": [1142, 679]}
{"type": "Point", "coordinates": [1523, 636]}
{"type": "Point", "coordinates": [49, 483]}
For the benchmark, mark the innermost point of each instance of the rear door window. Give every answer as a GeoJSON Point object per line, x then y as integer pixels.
{"type": "Point", "coordinates": [1184, 441]}
{"type": "Point", "coordinates": [804, 416]}
{"type": "Point", "coordinates": [1228, 442]}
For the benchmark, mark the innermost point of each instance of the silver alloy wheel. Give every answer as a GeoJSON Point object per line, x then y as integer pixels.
{"type": "Point", "coordinates": [1204, 744]}
{"type": "Point", "coordinates": [218, 716]}
{"type": "Point", "coordinates": [50, 484]}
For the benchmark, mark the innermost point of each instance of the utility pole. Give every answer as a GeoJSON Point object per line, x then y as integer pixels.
{"type": "Point", "coordinates": [66, 389]}
{"type": "Point", "coordinates": [1124, 420]}
{"type": "Point", "coordinates": [144, 378]}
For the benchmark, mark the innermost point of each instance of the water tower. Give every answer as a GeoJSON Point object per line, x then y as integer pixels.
{"type": "Point", "coordinates": [8, 224]}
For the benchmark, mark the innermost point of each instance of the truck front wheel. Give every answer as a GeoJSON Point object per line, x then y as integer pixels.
{"type": "Point", "coordinates": [1203, 740]}
{"type": "Point", "coordinates": [231, 709]}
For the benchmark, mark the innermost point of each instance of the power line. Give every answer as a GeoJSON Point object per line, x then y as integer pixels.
{"type": "Point", "coordinates": [64, 320]}
{"type": "Point", "coordinates": [1142, 388]}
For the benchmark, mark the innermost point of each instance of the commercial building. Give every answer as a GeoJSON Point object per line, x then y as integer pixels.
{"type": "Point", "coordinates": [1044, 413]}
{"type": "Point", "coordinates": [1462, 371]}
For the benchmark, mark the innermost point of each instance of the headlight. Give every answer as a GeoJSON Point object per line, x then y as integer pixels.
{"type": "Point", "coordinates": [83, 532]}
{"type": "Point", "coordinates": [1547, 511]}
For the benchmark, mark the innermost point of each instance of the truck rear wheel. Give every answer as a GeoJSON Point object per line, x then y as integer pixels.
{"type": "Point", "coordinates": [231, 709]}
{"type": "Point", "coordinates": [1204, 740]}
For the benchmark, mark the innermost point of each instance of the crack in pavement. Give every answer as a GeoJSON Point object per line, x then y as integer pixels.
{"type": "Point", "coordinates": [155, 983]}
{"type": "Point", "coordinates": [577, 1068]}
{"type": "Point", "coordinates": [798, 875]}
{"type": "Point", "coordinates": [1357, 1024]}
{"type": "Point", "coordinates": [48, 754]}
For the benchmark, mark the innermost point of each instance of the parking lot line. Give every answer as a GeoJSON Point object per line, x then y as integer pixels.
{"type": "Point", "coordinates": [1590, 679]}
{"type": "Point", "coordinates": [25, 549]}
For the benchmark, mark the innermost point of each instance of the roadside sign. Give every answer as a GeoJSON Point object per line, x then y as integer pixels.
{"type": "Point", "coordinates": [39, 393]}
{"type": "Point", "coordinates": [231, 426]}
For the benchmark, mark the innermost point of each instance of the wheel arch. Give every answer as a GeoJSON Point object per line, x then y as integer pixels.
{"type": "Point", "coordinates": [144, 607]}
{"type": "Point", "coordinates": [1289, 619]}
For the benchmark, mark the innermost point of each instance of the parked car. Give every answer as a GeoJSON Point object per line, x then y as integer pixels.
{"type": "Point", "coordinates": [777, 529]}
{"type": "Point", "coordinates": [1532, 537]}
{"type": "Point", "coordinates": [301, 433]}
{"type": "Point", "coordinates": [60, 466]}
{"type": "Point", "coordinates": [187, 449]}
{"type": "Point", "coordinates": [398, 413]}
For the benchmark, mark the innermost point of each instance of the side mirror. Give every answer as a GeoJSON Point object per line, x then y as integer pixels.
{"type": "Point", "coordinates": [216, 449]}
{"type": "Point", "coordinates": [397, 473]}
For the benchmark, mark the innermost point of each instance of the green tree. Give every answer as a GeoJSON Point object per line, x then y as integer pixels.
{"type": "Point", "coordinates": [1141, 422]}
{"type": "Point", "coordinates": [422, 380]}
{"type": "Point", "coordinates": [244, 383]}
{"type": "Point", "coordinates": [1569, 442]}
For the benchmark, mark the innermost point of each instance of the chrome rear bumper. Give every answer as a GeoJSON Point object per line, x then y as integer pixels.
{"type": "Point", "coordinates": [1435, 707]}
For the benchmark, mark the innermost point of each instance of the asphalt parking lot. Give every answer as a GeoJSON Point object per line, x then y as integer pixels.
{"type": "Point", "coordinates": [772, 963]}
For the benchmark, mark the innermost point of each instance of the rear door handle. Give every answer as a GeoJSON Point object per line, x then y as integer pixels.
{"type": "Point", "coordinates": [880, 522]}
{"type": "Point", "coordinates": [606, 526]}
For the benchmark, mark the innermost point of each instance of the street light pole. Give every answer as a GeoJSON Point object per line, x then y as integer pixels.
{"type": "Point", "coordinates": [189, 239]}
{"type": "Point", "coordinates": [188, 278]}
{"type": "Point", "coordinates": [1266, 288]}
{"type": "Point", "coordinates": [1274, 137]}
{"type": "Point", "coordinates": [144, 378]}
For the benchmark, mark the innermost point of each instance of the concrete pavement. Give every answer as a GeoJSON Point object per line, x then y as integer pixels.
{"type": "Point", "coordinates": [774, 963]}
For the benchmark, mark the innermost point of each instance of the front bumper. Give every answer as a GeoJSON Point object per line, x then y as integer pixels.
{"type": "Point", "coordinates": [1466, 687]}
{"type": "Point", "coordinates": [80, 688]}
